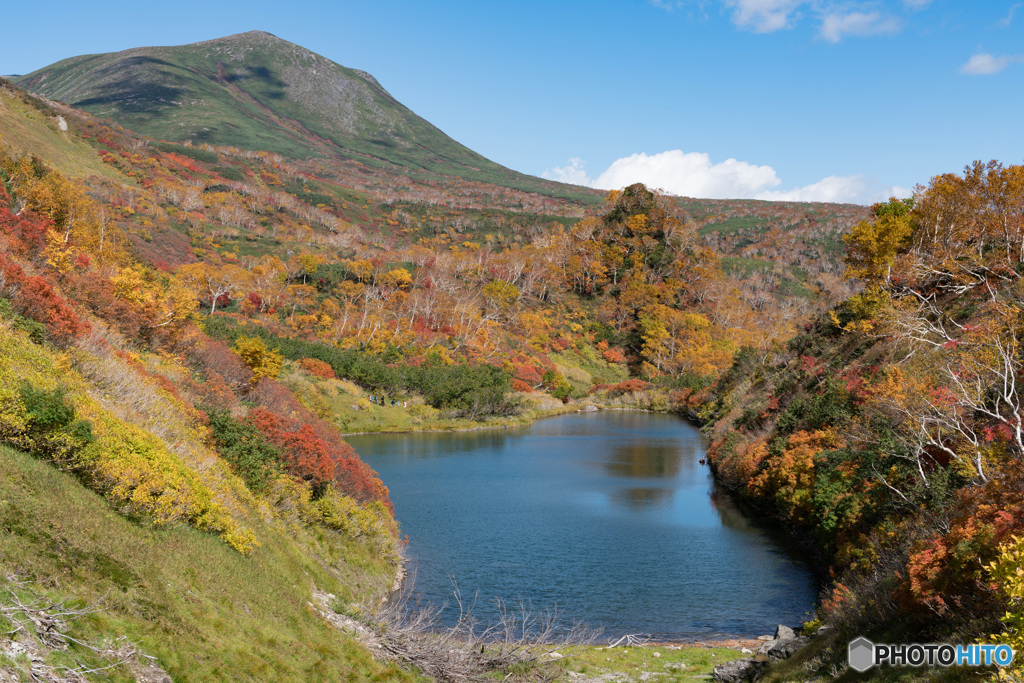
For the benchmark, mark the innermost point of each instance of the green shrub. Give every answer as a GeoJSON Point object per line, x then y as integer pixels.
{"type": "Point", "coordinates": [255, 460]}
{"type": "Point", "coordinates": [51, 425]}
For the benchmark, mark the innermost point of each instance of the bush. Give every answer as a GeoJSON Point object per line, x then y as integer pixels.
{"type": "Point", "coordinates": [255, 460]}
{"type": "Point", "coordinates": [51, 428]}
{"type": "Point", "coordinates": [317, 368]}
{"type": "Point", "coordinates": [35, 299]}
{"type": "Point", "coordinates": [262, 361]}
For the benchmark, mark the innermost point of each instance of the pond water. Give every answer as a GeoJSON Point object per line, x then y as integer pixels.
{"type": "Point", "coordinates": [606, 517]}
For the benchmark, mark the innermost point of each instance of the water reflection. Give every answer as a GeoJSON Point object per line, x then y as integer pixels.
{"type": "Point", "coordinates": [642, 499]}
{"type": "Point", "coordinates": [645, 459]}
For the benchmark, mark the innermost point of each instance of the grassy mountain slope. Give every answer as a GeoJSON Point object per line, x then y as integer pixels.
{"type": "Point", "coordinates": [258, 92]}
{"type": "Point", "coordinates": [29, 126]}
{"type": "Point", "coordinates": [204, 611]}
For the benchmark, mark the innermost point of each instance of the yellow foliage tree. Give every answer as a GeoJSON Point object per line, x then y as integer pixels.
{"type": "Point", "coordinates": [789, 477]}
{"type": "Point", "coordinates": [262, 361]}
{"type": "Point", "coordinates": [871, 246]}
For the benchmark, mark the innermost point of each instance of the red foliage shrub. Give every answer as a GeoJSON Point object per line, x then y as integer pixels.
{"type": "Point", "coordinates": [26, 232]}
{"type": "Point", "coordinates": [319, 455]}
{"type": "Point", "coordinates": [519, 385]}
{"type": "Point", "coordinates": [215, 358]}
{"type": "Point", "coordinates": [95, 293]}
{"type": "Point", "coordinates": [34, 298]}
{"type": "Point", "coordinates": [317, 368]}
{"type": "Point", "coordinates": [527, 374]}
{"type": "Point", "coordinates": [613, 356]}
{"type": "Point", "coordinates": [945, 573]}
{"type": "Point", "coordinates": [628, 387]}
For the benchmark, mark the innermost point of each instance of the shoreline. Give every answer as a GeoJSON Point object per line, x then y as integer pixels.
{"type": "Point", "coordinates": [526, 420]}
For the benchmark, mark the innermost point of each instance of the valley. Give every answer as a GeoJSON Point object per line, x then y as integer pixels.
{"type": "Point", "coordinates": [217, 269]}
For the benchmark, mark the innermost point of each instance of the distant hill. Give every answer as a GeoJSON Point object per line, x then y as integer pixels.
{"type": "Point", "coordinates": [256, 91]}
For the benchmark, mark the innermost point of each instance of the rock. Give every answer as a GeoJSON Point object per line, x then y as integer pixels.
{"type": "Point", "coordinates": [738, 671]}
{"type": "Point", "coordinates": [765, 638]}
{"type": "Point", "coordinates": [784, 632]}
{"type": "Point", "coordinates": [784, 649]}
{"type": "Point", "coordinates": [746, 651]}
{"type": "Point", "coordinates": [657, 654]}
{"type": "Point", "coordinates": [589, 408]}
{"type": "Point", "coordinates": [677, 666]}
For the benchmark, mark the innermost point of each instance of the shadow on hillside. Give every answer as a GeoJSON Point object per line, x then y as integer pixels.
{"type": "Point", "coordinates": [273, 87]}
{"type": "Point", "coordinates": [133, 87]}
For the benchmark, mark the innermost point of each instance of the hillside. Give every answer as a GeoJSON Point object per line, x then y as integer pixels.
{"type": "Point", "coordinates": [889, 429]}
{"type": "Point", "coordinates": [255, 91]}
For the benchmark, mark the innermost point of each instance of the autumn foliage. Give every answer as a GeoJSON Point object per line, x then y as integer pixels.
{"type": "Point", "coordinates": [318, 456]}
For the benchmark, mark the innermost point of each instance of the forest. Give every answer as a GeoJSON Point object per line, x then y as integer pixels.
{"type": "Point", "coordinates": [190, 330]}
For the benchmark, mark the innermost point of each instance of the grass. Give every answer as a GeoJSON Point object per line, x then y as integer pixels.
{"type": "Point", "coordinates": [26, 129]}
{"type": "Point", "coordinates": [585, 367]}
{"type": "Point", "coordinates": [206, 612]}
{"type": "Point", "coordinates": [660, 663]}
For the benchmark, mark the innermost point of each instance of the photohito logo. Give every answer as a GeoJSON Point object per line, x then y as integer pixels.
{"type": "Point", "coordinates": [863, 654]}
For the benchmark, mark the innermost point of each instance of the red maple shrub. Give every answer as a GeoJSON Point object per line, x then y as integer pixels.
{"type": "Point", "coordinates": [317, 368]}
{"type": "Point", "coordinates": [628, 387]}
{"type": "Point", "coordinates": [34, 298]}
{"type": "Point", "coordinates": [314, 451]}
{"type": "Point", "coordinates": [26, 232]}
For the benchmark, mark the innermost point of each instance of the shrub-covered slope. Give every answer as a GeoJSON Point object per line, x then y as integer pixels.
{"type": "Point", "coordinates": [890, 430]}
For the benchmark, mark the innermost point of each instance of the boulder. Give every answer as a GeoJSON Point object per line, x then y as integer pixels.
{"type": "Point", "coordinates": [738, 671]}
{"type": "Point", "coordinates": [784, 632]}
{"type": "Point", "coordinates": [784, 649]}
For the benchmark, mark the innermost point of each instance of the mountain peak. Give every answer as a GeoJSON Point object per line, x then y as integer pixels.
{"type": "Point", "coordinates": [254, 90]}
{"type": "Point", "coordinates": [250, 37]}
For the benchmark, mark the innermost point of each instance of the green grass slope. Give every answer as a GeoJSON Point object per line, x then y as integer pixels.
{"type": "Point", "coordinates": [256, 91]}
{"type": "Point", "coordinates": [204, 611]}
{"type": "Point", "coordinates": [31, 127]}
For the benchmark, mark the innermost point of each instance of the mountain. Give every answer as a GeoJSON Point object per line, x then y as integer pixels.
{"type": "Point", "coordinates": [256, 91]}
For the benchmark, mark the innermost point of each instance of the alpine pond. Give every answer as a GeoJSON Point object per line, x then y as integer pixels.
{"type": "Point", "coordinates": [606, 517]}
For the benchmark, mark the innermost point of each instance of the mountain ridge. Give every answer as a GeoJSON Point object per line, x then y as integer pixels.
{"type": "Point", "coordinates": [257, 91]}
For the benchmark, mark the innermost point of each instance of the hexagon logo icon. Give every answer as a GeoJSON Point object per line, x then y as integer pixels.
{"type": "Point", "coordinates": [861, 654]}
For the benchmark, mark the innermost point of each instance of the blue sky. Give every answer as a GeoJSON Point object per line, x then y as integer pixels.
{"type": "Point", "coordinates": [790, 99]}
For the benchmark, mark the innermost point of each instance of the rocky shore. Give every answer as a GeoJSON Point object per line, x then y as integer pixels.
{"type": "Point", "coordinates": [783, 645]}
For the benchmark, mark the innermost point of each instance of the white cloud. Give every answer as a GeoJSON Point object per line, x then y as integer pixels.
{"type": "Point", "coordinates": [835, 26]}
{"type": "Point", "coordinates": [572, 173]}
{"type": "Point", "coordinates": [692, 174]}
{"type": "Point", "coordinates": [1008, 19]}
{"type": "Point", "coordinates": [983, 64]}
{"type": "Point", "coordinates": [763, 16]}
{"type": "Point", "coordinates": [831, 189]}
{"type": "Point", "coordinates": [837, 18]}
{"type": "Point", "coordinates": [688, 173]}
